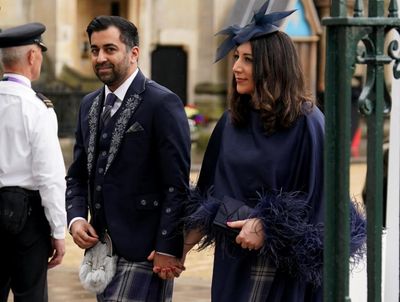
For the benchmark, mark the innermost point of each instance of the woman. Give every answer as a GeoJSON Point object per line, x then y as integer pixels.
{"type": "Point", "coordinates": [266, 153]}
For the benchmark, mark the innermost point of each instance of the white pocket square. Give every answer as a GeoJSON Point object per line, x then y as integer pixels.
{"type": "Point", "coordinates": [135, 128]}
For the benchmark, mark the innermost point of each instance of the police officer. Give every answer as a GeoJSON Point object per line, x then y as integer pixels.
{"type": "Point", "coordinates": [32, 185]}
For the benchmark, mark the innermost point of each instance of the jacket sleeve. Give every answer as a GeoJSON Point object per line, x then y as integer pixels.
{"type": "Point", "coordinates": [173, 151]}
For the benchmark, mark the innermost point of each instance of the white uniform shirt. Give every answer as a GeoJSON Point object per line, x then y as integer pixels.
{"type": "Point", "coordinates": [30, 153]}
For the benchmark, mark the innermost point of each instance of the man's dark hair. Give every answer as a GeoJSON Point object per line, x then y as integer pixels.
{"type": "Point", "coordinates": [129, 33]}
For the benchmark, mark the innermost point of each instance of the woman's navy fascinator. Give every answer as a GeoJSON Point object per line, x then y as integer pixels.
{"type": "Point", "coordinates": [261, 24]}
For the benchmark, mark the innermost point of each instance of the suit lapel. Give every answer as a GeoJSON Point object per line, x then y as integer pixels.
{"type": "Point", "coordinates": [129, 107]}
{"type": "Point", "coordinates": [131, 102]}
{"type": "Point", "coordinates": [93, 120]}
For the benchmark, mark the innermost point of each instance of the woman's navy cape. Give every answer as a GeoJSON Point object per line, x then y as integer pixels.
{"type": "Point", "coordinates": [281, 177]}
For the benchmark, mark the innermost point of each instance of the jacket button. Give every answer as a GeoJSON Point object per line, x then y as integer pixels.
{"type": "Point", "coordinates": [97, 206]}
{"type": "Point", "coordinates": [104, 153]}
{"type": "Point", "coordinates": [171, 189]}
{"type": "Point", "coordinates": [164, 232]}
{"type": "Point", "coordinates": [69, 192]}
{"type": "Point", "coordinates": [98, 188]}
{"type": "Point", "coordinates": [155, 203]}
{"type": "Point", "coordinates": [101, 170]}
{"type": "Point", "coordinates": [104, 135]}
{"type": "Point", "coordinates": [143, 202]}
{"type": "Point", "coordinates": [168, 210]}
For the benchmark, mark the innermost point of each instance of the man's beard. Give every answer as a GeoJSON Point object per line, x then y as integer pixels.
{"type": "Point", "coordinates": [106, 78]}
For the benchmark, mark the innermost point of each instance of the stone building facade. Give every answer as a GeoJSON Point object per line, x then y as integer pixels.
{"type": "Point", "coordinates": [177, 40]}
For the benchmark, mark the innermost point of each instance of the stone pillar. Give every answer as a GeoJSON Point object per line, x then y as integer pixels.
{"type": "Point", "coordinates": [69, 39]}
{"type": "Point", "coordinates": [133, 11]}
{"type": "Point", "coordinates": [323, 8]}
{"type": "Point", "coordinates": [144, 22]}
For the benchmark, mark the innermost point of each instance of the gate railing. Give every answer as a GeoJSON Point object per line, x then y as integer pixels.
{"type": "Point", "coordinates": [345, 37]}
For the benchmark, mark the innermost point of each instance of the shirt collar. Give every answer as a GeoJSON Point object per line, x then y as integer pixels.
{"type": "Point", "coordinates": [120, 92]}
{"type": "Point", "coordinates": [22, 78]}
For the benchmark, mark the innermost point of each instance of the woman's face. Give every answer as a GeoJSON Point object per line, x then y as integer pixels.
{"type": "Point", "coordinates": [243, 69]}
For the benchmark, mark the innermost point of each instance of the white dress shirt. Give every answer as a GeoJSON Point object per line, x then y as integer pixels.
{"type": "Point", "coordinates": [31, 156]}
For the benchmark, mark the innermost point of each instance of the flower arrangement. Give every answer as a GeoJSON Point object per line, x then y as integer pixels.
{"type": "Point", "coordinates": [195, 119]}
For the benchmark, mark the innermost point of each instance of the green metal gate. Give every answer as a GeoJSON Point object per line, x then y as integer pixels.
{"type": "Point", "coordinates": [344, 36]}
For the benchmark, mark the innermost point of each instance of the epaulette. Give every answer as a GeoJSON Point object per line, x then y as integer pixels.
{"type": "Point", "coordinates": [45, 100]}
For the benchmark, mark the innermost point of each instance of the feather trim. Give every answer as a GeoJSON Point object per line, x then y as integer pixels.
{"type": "Point", "coordinates": [294, 245]}
{"type": "Point", "coordinates": [200, 213]}
{"type": "Point", "coordinates": [358, 233]}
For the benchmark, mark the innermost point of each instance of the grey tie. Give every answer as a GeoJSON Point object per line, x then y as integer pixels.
{"type": "Point", "coordinates": [106, 114]}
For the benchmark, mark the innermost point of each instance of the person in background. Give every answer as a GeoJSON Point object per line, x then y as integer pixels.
{"type": "Point", "coordinates": [32, 172]}
{"type": "Point", "coordinates": [131, 167]}
{"type": "Point", "coordinates": [263, 174]}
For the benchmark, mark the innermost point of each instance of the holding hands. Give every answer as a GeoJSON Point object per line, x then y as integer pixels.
{"type": "Point", "coordinates": [166, 266]}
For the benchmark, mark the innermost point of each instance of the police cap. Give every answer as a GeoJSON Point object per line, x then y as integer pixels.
{"type": "Point", "coordinates": [23, 35]}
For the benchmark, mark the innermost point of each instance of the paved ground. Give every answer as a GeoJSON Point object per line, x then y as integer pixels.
{"type": "Point", "coordinates": [192, 286]}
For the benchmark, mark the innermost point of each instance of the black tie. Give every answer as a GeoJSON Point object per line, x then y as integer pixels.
{"type": "Point", "coordinates": [106, 115]}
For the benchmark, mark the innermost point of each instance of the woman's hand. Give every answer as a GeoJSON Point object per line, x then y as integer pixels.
{"type": "Point", "coordinates": [252, 234]}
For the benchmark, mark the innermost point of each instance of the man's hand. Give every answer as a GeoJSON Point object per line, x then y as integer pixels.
{"type": "Point", "coordinates": [167, 267]}
{"type": "Point", "coordinates": [252, 234]}
{"type": "Point", "coordinates": [58, 252]}
{"type": "Point", "coordinates": [84, 234]}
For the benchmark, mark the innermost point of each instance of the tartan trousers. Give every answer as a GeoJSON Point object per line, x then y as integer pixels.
{"type": "Point", "coordinates": [136, 282]}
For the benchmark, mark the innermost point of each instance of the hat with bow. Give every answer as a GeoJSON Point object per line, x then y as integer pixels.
{"type": "Point", "coordinates": [261, 24]}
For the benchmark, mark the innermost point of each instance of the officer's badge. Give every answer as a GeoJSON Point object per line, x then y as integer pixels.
{"type": "Point", "coordinates": [45, 100]}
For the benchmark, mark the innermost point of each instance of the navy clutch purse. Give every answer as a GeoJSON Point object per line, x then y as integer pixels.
{"type": "Point", "coordinates": [231, 210]}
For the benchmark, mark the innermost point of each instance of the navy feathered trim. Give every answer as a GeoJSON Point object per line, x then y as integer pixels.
{"type": "Point", "coordinates": [200, 213]}
{"type": "Point", "coordinates": [358, 232]}
{"type": "Point", "coordinates": [293, 244]}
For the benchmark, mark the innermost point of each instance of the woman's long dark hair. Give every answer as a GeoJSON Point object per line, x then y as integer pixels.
{"type": "Point", "coordinates": [279, 91]}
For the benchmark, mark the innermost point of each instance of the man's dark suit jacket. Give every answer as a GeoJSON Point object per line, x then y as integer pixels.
{"type": "Point", "coordinates": [133, 175]}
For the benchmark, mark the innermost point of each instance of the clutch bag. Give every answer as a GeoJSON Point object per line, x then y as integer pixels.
{"type": "Point", "coordinates": [231, 210]}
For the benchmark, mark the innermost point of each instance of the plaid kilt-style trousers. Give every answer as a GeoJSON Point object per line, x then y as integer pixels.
{"type": "Point", "coordinates": [136, 282]}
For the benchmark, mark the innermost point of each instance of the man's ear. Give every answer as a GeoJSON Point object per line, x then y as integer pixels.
{"type": "Point", "coordinates": [31, 56]}
{"type": "Point", "coordinates": [134, 54]}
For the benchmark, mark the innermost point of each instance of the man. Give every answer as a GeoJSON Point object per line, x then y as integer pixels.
{"type": "Point", "coordinates": [131, 167]}
{"type": "Point", "coordinates": [32, 172]}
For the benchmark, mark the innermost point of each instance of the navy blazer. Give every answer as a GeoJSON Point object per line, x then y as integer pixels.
{"type": "Point", "coordinates": [134, 174]}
